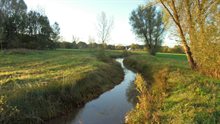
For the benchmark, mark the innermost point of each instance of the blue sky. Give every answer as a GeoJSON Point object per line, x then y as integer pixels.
{"type": "Point", "coordinates": [79, 18]}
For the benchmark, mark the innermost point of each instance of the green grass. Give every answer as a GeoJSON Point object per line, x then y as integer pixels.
{"type": "Point", "coordinates": [176, 93]}
{"type": "Point", "coordinates": [39, 85]}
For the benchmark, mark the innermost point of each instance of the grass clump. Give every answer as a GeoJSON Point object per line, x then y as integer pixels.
{"type": "Point", "coordinates": [41, 85]}
{"type": "Point", "coordinates": [143, 110]}
{"type": "Point", "coordinates": [175, 93]}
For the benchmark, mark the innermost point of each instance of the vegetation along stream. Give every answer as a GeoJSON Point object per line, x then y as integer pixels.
{"type": "Point", "coordinates": [108, 108]}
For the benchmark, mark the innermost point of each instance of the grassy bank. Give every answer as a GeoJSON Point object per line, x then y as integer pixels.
{"type": "Point", "coordinates": [170, 92]}
{"type": "Point", "coordinates": [38, 85]}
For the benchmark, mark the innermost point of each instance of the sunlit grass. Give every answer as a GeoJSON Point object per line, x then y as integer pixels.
{"type": "Point", "coordinates": [180, 94]}
{"type": "Point", "coordinates": [45, 84]}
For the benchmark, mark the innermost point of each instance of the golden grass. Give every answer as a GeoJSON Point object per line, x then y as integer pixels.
{"type": "Point", "coordinates": [175, 94]}
{"type": "Point", "coordinates": [44, 84]}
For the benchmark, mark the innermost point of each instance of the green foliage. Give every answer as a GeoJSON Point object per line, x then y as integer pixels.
{"type": "Point", "coordinates": [12, 12]}
{"type": "Point", "coordinates": [175, 49]}
{"type": "Point", "coordinates": [179, 94]}
{"type": "Point", "coordinates": [147, 24]}
{"type": "Point", "coordinates": [82, 45]}
{"type": "Point", "coordinates": [22, 29]}
{"type": "Point", "coordinates": [125, 53]}
{"type": "Point", "coordinates": [120, 47]}
{"type": "Point", "coordinates": [136, 47]}
{"type": "Point", "coordinates": [142, 108]}
{"type": "Point", "coordinates": [46, 84]}
{"type": "Point", "coordinates": [67, 45]}
{"type": "Point", "coordinates": [56, 32]}
{"type": "Point", "coordinates": [204, 35]}
{"type": "Point", "coordinates": [198, 27]}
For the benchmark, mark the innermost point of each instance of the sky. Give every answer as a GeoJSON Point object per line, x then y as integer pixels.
{"type": "Point", "coordinates": [79, 18]}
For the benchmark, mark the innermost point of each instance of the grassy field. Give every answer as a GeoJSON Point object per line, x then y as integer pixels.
{"type": "Point", "coordinates": [170, 92]}
{"type": "Point", "coordinates": [39, 85]}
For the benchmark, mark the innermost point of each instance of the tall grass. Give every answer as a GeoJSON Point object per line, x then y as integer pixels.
{"type": "Point", "coordinates": [40, 85]}
{"type": "Point", "coordinates": [175, 94]}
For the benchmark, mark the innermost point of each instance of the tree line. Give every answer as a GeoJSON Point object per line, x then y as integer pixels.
{"type": "Point", "coordinates": [92, 45]}
{"type": "Point", "coordinates": [132, 47]}
{"type": "Point", "coordinates": [22, 29]}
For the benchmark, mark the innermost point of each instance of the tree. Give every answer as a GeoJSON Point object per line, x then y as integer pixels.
{"type": "Point", "coordinates": [1, 27]}
{"type": "Point", "coordinates": [56, 32]}
{"type": "Point", "coordinates": [165, 49]}
{"type": "Point", "coordinates": [40, 33]}
{"type": "Point", "coordinates": [177, 49]}
{"type": "Point", "coordinates": [75, 39]}
{"type": "Point", "coordinates": [120, 47]}
{"type": "Point", "coordinates": [74, 45]}
{"type": "Point", "coordinates": [65, 44]}
{"type": "Point", "coordinates": [82, 45]}
{"type": "Point", "coordinates": [11, 12]}
{"type": "Point", "coordinates": [174, 11]}
{"type": "Point", "coordinates": [111, 47]}
{"type": "Point", "coordinates": [197, 22]}
{"type": "Point", "coordinates": [17, 25]}
{"type": "Point", "coordinates": [148, 25]}
{"type": "Point", "coordinates": [22, 29]}
{"type": "Point", "coordinates": [104, 28]}
{"type": "Point", "coordinates": [91, 42]}
{"type": "Point", "coordinates": [55, 36]}
{"type": "Point", "coordinates": [45, 32]}
{"type": "Point", "coordinates": [134, 46]}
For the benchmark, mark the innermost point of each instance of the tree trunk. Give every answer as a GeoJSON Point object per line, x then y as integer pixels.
{"type": "Point", "coordinates": [187, 50]}
{"type": "Point", "coordinates": [103, 44]}
{"type": "Point", "coordinates": [175, 18]}
{"type": "Point", "coordinates": [152, 51]}
{"type": "Point", "coordinates": [189, 56]}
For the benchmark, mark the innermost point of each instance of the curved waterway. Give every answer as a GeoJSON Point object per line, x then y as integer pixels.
{"type": "Point", "coordinates": [108, 108]}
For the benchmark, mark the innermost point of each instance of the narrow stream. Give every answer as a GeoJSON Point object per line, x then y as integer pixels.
{"type": "Point", "coordinates": [108, 108]}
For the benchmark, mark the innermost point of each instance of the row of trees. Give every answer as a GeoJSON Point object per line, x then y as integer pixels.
{"type": "Point", "coordinates": [175, 49]}
{"type": "Point", "coordinates": [22, 29]}
{"type": "Point", "coordinates": [163, 49]}
{"type": "Point", "coordinates": [93, 45]}
{"type": "Point", "coordinates": [196, 23]}
{"type": "Point", "coordinates": [132, 47]}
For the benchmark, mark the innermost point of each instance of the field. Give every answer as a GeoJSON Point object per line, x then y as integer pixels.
{"type": "Point", "coordinates": [39, 85]}
{"type": "Point", "coordinates": [170, 92]}
{"type": "Point", "coordinates": [36, 86]}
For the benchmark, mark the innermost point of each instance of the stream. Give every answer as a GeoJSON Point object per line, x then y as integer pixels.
{"type": "Point", "coordinates": [108, 108]}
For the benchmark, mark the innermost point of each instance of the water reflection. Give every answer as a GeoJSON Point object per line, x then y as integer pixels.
{"type": "Point", "coordinates": [110, 107]}
{"type": "Point", "coordinates": [132, 94]}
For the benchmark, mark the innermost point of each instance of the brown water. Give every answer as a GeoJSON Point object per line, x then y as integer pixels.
{"type": "Point", "coordinates": [108, 108]}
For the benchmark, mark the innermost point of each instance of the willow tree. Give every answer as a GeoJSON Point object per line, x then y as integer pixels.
{"type": "Point", "coordinates": [174, 11]}
{"type": "Point", "coordinates": [148, 25]}
{"type": "Point", "coordinates": [197, 22]}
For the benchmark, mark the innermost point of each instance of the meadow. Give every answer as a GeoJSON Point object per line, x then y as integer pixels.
{"type": "Point", "coordinates": [36, 86]}
{"type": "Point", "coordinates": [170, 92]}
{"type": "Point", "coordinates": [39, 85]}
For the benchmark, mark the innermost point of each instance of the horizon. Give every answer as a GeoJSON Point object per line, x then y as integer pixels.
{"type": "Point", "coordinates": [75, 22]}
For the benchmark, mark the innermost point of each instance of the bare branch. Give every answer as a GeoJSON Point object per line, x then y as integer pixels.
{"type": "Point", "coordinates": [104, 27]}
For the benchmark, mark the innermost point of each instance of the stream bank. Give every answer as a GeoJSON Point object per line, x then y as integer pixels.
{"type": "Point", "coordinates": [109, 108]}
